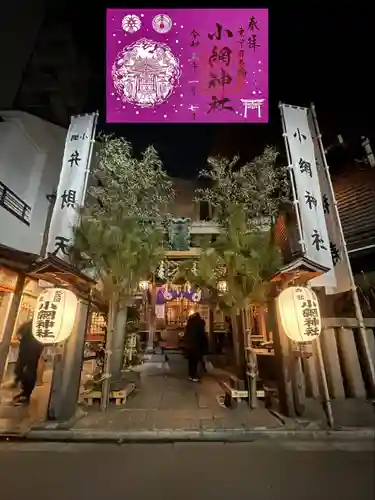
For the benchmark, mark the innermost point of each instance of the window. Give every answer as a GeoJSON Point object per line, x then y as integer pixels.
{"type": "Point", "coordinates": [204, 211]}
{"type": "Point", "coordinates": [14, 204]}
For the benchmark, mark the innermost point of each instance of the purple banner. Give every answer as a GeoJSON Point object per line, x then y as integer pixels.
{"type": "Point", "coordinates": [163, 295]}
{"type": "Point", "coordinates": [187, 65]}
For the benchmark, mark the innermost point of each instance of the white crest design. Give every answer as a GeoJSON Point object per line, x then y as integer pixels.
{"type": "Point", "coordinates": [131, 23]}
{"type": "Point", "coordinates": [162, 23]}
{"type": "Point", "coordinates": [145, 73]}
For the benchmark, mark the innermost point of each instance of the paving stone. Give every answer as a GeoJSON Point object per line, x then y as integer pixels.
{"type": "Point", "coordinates": [173, 402]}
{"type": "Point", "coordinates": [224, 423]}
{"type": "Point", "coordinates": [144, 400]}
{"type": "Point", "coordinates": [207, 424]}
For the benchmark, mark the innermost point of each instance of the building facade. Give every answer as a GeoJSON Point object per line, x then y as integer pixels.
{"type": "Point", "coordinates": [31, 151]}
{"type": "Point", "coordinates": [30, 163]}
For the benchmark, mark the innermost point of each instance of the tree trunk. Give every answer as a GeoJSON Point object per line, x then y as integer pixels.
{"type": "Point", "coordinates": [106, 385]}
{"type": "Point", "coordinates": [238, 343]}
{"type": "Point", "coordinates": [118, 346]}
{"type": "Point", "coordinates": [211, 332]}
{"type": "Point", "coordinates": [152, 318]}
{"type": "Point", "coordinates": [252, 366]}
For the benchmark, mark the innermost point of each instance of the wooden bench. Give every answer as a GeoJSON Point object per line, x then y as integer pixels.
{"type": "Point", "coordinates": [119, 397]}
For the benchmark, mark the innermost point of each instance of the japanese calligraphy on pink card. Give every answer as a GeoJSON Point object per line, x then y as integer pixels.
{"type": "Point", "coordinates": [187, 65]}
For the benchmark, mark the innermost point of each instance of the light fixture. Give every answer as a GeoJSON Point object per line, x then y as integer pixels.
{"type": "Point", "coordinates": [299, 313]}
{"type": "Point", "coordinates": [143, 285]}
{"type": "Point", "coordinates": [59, 304]}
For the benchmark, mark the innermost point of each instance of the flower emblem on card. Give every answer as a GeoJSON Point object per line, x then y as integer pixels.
{"type": "Point", "coordinates": [131, 23]}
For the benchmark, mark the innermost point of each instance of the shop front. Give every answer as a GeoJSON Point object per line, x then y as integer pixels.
{"type": "Point", "coordinates": [17, 306]}
{"type": "Point", "coordinates": [19, 291]}
{"type": "Point", "coordinates": [25, 313]}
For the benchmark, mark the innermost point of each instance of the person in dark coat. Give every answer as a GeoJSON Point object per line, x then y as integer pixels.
{"type": "Point", "coordinates": [229, 329]}
{"type": "Point", "coordinates": [195, 345]}
{"type": "Point", "coordinates": [26, 368]}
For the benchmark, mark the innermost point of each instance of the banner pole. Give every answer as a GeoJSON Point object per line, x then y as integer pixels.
{"type": "Point", "coordinates": [323, 375]}
{"type": "Point", "coordinates": [369, 365]}
{"type": "Point", "coordinates": [89, 158]}
{"type": "Point", "coordinates": [292, 182]}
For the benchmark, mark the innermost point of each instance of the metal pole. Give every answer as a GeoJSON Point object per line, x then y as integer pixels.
{"type": "Point", "coordinates": [369, 365]}
{"type": "Point", "coordinates": [326, 397]}
{"type": "Point", "coordinates": [294, 191]}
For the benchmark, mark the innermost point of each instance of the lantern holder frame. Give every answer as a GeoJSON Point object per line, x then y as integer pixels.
{"type": "Point", "coordinates": [299, 271]}
{"type": "Point", "coordinates": [302, 349]}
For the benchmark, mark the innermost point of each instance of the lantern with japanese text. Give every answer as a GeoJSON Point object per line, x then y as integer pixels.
{"type": "Point", "coordinates": [54, 315]}
{"type": "Point", "coordinates": [299, 313]}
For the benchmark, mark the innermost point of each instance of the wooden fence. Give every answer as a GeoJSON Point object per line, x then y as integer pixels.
{"type": "Point", "coordinates": [342, 359]}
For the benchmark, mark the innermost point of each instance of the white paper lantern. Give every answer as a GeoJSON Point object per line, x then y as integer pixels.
{"type": "Point", "coordinates": [222, 286]}
{"type": "Point", "coordinates": [54, 315]}
{"type": "Point", "coordinates": [143, 285]}
{"type": "Point", "coordinates": [299, 314]}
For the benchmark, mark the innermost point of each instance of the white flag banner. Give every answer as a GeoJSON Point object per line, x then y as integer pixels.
{"type": "Point", "coordinates": [72, 185]}
{"type": "Point", "coordinates": [301, 147]}
{"type": "Point", "coordinates": [337, 280]}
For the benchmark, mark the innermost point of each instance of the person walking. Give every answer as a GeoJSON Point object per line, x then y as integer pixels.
{"type": "Point", "coordinates": [26, 368]}
{"type": "Point", "coordinates": [195, 345]}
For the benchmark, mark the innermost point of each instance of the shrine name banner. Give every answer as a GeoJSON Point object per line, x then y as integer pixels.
{"type": "Point", "coordinates": [309, 198]}
{"type": "Point", "coordinates": [187, 65]}
{"type": "Point", "coordinates": [72, 185]}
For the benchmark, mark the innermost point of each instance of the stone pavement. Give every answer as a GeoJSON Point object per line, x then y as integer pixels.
{"type": "Point", "coordinates": [172, 402]}
{"type": "Point", "coordinates": [166, 399]}
{"type": "Point", "coordinates": [167, 406]}
{"type": "Point", "coordinates": [18, 420]}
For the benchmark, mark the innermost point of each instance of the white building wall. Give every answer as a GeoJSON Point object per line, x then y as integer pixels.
{"type": "Point", "coordinates": [31, 151]}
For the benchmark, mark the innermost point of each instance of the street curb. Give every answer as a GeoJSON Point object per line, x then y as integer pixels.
{"type": "Point", "coordinates": [171, 436]}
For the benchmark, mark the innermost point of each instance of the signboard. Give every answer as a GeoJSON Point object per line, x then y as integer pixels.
{"type": "Point", "coordinates": [54, 315]}
{"type": "Point", "coordinates": [72, 185]}
{"type": "Point", "coordinates": [187, 65]}
{"type": "Point", "coordinates": [316, 246]}
{"type": "Point", "coordinates": [299, 313]}
{"type": "Point", "coordinates": [8, 279]}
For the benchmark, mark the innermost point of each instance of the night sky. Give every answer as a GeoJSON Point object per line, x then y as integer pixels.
{"type": "Point", "coordinates": [319, 55]}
